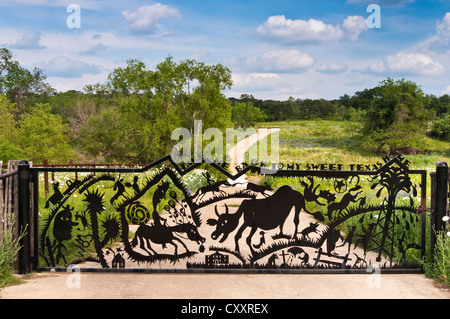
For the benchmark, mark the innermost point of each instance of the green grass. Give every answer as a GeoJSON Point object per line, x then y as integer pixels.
{"type": "Point", "coordinates": [71, 248]}
{"type": "Point", "coordinates": [439, 267]}
{"type": "Point", "coordinates": [327, 141]}
{"type": "Point", "coordinates": [337, 142]}
{"type": "Point", "coordinates": [9, 248]}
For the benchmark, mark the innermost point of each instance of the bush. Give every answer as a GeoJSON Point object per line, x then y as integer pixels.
{"type": "Point", "coordinates": [246, 115]}
{"type": "Point", "coordinates": [441, 128]}
{"type": "Point", "coordinates": [9, 248]}
{"type": "Point", "coordinates": [9, 151]}
{"type": "Point", "coordinates": [354, 120]}
{"type": "Point", "coordinates": [43, 135]}
{"type": "Point", "coordinates": [396, 118]}
{"type": "Point", "coordinates": [439, 267]}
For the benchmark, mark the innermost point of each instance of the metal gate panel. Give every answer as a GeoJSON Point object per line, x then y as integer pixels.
{"type": "Point", "coordinates": [158, 219]}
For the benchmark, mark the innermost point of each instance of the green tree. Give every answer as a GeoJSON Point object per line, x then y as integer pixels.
{"type": "Point", "coordinates": [246, 115]}
{"type": "Point", "coordinates": [43, 135]}
{"type": "Point", "coordinates": [396, 119]}
{"type": "Point", "coordinates": [147, 105]}
{"type": "Point", "coordinates": [440, 106]}
{"type": "Point", "coordinates": [441, 128]}
{"type": "Point", "coordinates": [8, 132]}
{"type": "Point", "coordinates": [361, 99]}
{"type": "Point", "coordinates": [18, 83]}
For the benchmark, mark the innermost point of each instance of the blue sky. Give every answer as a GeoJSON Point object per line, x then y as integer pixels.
{"type": "Point", "coordinates": [275, 49]}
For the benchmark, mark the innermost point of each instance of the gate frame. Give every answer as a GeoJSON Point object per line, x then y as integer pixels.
{"type": "Point", "coordinates": [29, 200]}
{"type": "Point", "coordinates": [440, 198]}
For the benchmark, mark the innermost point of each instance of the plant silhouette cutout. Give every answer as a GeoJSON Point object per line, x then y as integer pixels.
{"type": "Point", "coordinates": [340, 220]}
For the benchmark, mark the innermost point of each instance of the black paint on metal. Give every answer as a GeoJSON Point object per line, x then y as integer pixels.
{"type": "Point", "coordinates": [156, 219]}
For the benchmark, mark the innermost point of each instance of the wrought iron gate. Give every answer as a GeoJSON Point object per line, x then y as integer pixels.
{"type": "Point", "coordinates": [157, 218]}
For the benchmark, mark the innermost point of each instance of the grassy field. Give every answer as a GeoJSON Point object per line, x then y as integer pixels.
{"type": "Point", "coordinates": [336, 142]}
{"type": "Point", "coordinates": [321, 141]}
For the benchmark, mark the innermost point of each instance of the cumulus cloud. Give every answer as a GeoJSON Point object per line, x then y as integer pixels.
{"type": "Point", "coordinates": [29, 41]}
{"type": "Point", "coordinates": [279, 28]}
{"type": "Point", "coordinates": [99, 47]}
{"type": "Point", "coordinates": [256, 81]}
{"type": "Point", "coordinates": [409, 63]}
{"type": "Point", "coordinates": [447, 90]}
{"type": "Point", "coordinates": [355, 25]}
{"type": "Point", "coordinates": [443, 27]}
{"type": "Point", "coordinates": [146, 18]}
{"type": "Point", "coordinates": [334, 68]}
{"type": "Point", "coordinates": [441, 41]}
{"type": "Point", "coordinates": [282, 60]}
{"type": "Point", "coordinates": [287, 30]}
{"type": "Point", "coordinates": [377, 67]}
{"type": "Point", "coordinates": [63, 66]}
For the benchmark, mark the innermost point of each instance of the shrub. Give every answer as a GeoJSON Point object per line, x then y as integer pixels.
{"type": "Point", "coordinates": [396, 118]}
{"type": "Point", "coordinates": [9, 248]}
{"type": "Point", "coordinates": [246, 115]}
{"type": "Point", "coordinates": [441, 128]}
{"type": "Point", "coordinates": [439, 266]}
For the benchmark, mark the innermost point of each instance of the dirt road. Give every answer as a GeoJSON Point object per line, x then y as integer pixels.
{"type": "Point", "coordinates": [83, 285]}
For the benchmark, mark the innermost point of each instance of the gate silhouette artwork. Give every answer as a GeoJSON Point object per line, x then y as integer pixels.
{"type": "Point", "coordinates": [148, 218]}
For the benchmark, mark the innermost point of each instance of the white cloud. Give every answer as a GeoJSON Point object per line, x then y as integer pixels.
{"type": "Point", "coordinates": [99, 47]}
{"type": "Point", "coordinates": [282, 60]}
{"type": "Point", "coordinates": [63, 66]}
{"type": "Point", "coordinates": [377, 67]}
{"type": "Point", "coordinates": [315, 31]}
{"type": "Point", "coordinates": [29, 41]}
{"type": "Point", "coordinates": [146, 18]}
{"type": "Point", "coordinates": [263, 86]}
{"type": "Point", "coordinates": [334, 68]}
{"type": "Point", "coordinates": [256, 81]}
{"type": "Point", "coordinates": [354, 25]}
{"type": "Point", "coordinates": [409, 63]}
{"type": "Point", "coordinates": [440, 42]}
{"type": "Point", "coordinates": [287, 30]}
{"type": "Point", "coordinates": [282, 86]}
{"type": "Point", "coordinates": [447, 90]}
{"type": "Point", "coordinates": [443, 27]}
{"type": "Point", "coordinates": [64, 84]}
{"type": "Point", "coordinates": [414, 62]}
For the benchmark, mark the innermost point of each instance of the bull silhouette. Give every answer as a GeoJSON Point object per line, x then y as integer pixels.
{"type": "Point", "coordinates": [266, 214]}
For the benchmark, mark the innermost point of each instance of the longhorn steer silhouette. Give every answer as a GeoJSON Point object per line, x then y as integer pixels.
{"type": "Point", "coordinates": [266, 213]}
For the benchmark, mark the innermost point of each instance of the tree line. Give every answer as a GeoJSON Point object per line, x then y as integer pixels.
{"type": "Point", "coordinates": [131, 116]}
{"type": "Point", "coordinates": [394, 116]}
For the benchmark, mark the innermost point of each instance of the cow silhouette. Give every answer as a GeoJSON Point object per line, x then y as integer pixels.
{"type": "Point", "coordinates": [266, 214]}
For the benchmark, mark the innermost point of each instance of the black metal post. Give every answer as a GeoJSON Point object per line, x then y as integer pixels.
{"type": "Point", "coordinates": [24, 216]}
{"type": "Point", "coordinates": [440, 201]}
{"type": "Point", "coordinates": [35, 222]}
{"type": "Point", "coordinates": [423, 214]}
